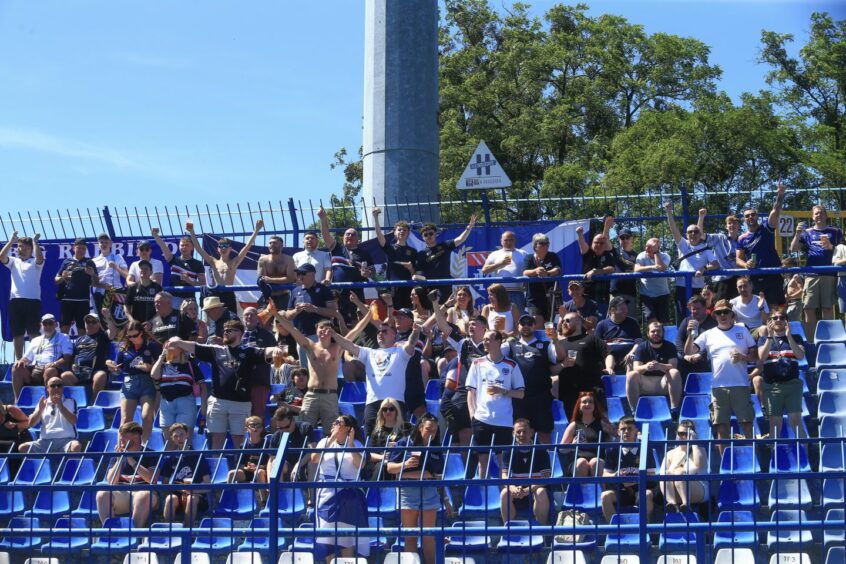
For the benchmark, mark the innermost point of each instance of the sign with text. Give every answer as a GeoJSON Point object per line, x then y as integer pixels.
{"type": "Point", "coordinates": [483, 171]}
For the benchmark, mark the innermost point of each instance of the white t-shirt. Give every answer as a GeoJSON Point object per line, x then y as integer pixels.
{"type": "Point", "coordinates": [652, 287]}
{"type": "Point", "coordinates": [321, 260]}
{"type": "Point", "coordinates": [516, 268]}
{"type": "Point", "coordinates": [26, 278]}
{"type": "Point", "coordinates": [749, 314]}
{"type": "Point", "coordinates": [694, 262]}
{"type": "Point", "coordinates": [385, 372]}
{"type": "Point", "coordinates": [494, 410]}
{"type": "Point", "coordinates": [53, 423]}
{"type": "Point", "coordinates": [106, 273]}
{"type": "Point", "coordinates": [158, 268]}
{"type": "Point", "coordinates": [44, 351]}
{"type": "Point", "coordinates": [839, 254]}
{"type": "Point", "coordinates": [719, 344]}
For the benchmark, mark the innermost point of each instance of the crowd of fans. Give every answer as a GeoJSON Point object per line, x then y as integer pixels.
{"type": "Point", "coordinates": [497, 370]}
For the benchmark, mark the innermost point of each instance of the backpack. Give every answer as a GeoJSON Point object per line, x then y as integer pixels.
{"type": "Point", "coordinates": [570, 518]}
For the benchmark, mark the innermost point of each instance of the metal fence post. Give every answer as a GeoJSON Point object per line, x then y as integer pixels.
{"type": "Point", "coordinates": [274, 480]}
{"type": "Point", "coordinates": [643, 519]}
{"type": "Point", "coordinates": [295, 225]}
{"type": "Point", "coordinates": [107, 219]}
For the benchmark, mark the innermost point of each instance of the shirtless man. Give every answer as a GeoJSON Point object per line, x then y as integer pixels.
{"type": "Point", "coordinates": [276, 268]}
{"type": "Point", "coordinates": [320, 402]}
{"type": "Point", "coordinates": [225, 267]}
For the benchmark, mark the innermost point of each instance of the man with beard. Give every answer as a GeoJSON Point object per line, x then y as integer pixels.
{"type": "Point", "coordinates": [276, 268]}
{"type": "Point", "coordinates": [385, 368]}
{"type": "Point", "coordinates": [25, 295]}
{"type": "Point", "coordinates": [232, 365]}
{"type": "Point", "coordinates": [724, 246]}
{"type": "Point", "coordinates": [185, 270]}
{"type": "Point", "coordinates": [582, 358]}
{"type": "Point", "coordinates": [320, 260]}
{"type": "Point", "coordinates": [76, 276]}
{"type": "Point", "coordinates": [350, 263]}
{"type": "Point", "coordinates": [90, 352]}
{"type": "Point", "coordinates": [625, 288]}
{"type": "Point", "coordinates": [454, 400]}
{"type": "Point", "coordinates": [697, 322]}
{"type": "Point", "coordinates": [694, 256]}
{"type": "Point", "coordinates": [620, 332]}
{"type": "Point", "coordinates": [581, 304]}
{"type": "Point", "coordinates": [756, 249]}
{"type": "Point", "coordinates": [537, 362]}
{"type": "Point", "coordinates": [402, 258]}
{"type": "Point", "coordinates": [654, 372]}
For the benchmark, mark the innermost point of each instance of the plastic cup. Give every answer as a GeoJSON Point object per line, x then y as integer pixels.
{"type": "Point", "coordinates": [499, 323]}
{"type": "Point", "coordinates": [550, 329]}
{"type": "Point", "coordinates": [189, 225]}
{"type": "Point", "coordinates": [572, 354]}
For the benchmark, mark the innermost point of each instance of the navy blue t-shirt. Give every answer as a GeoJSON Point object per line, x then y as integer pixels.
{"type": "Point", "coordinates": [78, 288]}
{"type": "Point", "coordinates": [646, 353]}
{"type": "Point", "coordinates": [762, 244]}
{"type": "Point", "coordinates": [318, 295]}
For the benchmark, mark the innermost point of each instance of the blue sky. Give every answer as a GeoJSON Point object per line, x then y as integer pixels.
{"type": "Point", "coordinates": [153, 103]}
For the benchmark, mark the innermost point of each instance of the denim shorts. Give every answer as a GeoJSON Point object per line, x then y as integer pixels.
{"type": "Point", "coordinates": [180, 410]}
{"type": "Point", "coordinates": [137, 386]}
{"type": "Point", "coordinates": [419, 498]}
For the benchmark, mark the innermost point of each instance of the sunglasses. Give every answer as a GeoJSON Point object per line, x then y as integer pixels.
{"type": "Point", "coordinates": [681, 433]}
{"type": "Point", "coordinates": [544, 243]}
{"type": "Point", "coordinates": [623, 237]}
{"type": "Point", "coordinates": [748, 215]}
{"type": "Point", "coordinates": [52, 386]}
{"type": "Point", "coordinates": [428, 233]}
{"type": "Point", "coordinates": [389, 408]}
{"type": "Point", "coordinates": [48, 323]}
{"type": "Point", "coordinates": [527, 322]}
{"type": "Point", "coordinates": [693, 232]}
{"type": "Point", "coordinates": [570, 320]}
{"type": "Point", "coordinates": [723, 312]}
{"type": "Point", "coordinates": [338, 423]}
{"type": "Point", "coordinates": [778, 318]}
{"type": "Point", "coordinates": [92, 321]}
{"type": "Point", "coordinates": [223, 246]}
{"type": "Point", "coordinates": [135, 336]}
{"type": "Point", "coordinates": [254, 426]}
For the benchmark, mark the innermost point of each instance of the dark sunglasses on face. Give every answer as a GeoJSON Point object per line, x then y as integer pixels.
{"type": "Point", "coordinates": [693, 232]}
{"type": "Point", "coordinates": [428, 233]}
{"type": "Point", "coordinates": [135, 336]}
{"type": "Point", "coordinates": [53, 386]}
{"type": "Point", "coordinates": [778, 318]}
{"type": "Point", "coordinates": [338, 422]}
{"type": "Point", "coordinates": [254, 426]}
{"type": "Point", "coordinates": [623, 237]}
{"type": "Point", "coordinates": [527, 322]}
{"type": "Point", "coordinates": [389, 408]}
{"type": "Point", "coordinates": [48, 323]}
{"type": "Point", "coordinates": [723, 312]}
{"type": "Point", "coordinates": [570, 320]}
{"type": "Point", "coordinates": [748, 215]}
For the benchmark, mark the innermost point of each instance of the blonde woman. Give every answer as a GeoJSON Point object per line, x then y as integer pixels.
{"type": "Point", "coordinates": [685, 459]}
{"type": "Point", "coordinates": [190, 310]}
{"type": "Point", "coordinates": [390, 428]}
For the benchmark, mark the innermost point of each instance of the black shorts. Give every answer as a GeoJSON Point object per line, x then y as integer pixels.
{"type": "Point", "coordinates": [73, 311]}
{"type": "Point", "coordinates": [24, 316]}
{"type": "Point", "coordinates": [483, 434]}
{"type": "Point", "coordinates": [772, 286]}
{"type": "Point", "coordinates": [626, 496]}
{"type": "Point", "coordinates": [656, 307]}
{"type": "Point", "coordinates": [456, 415]}
{"type": "Point", "coordinates": [538, 410]}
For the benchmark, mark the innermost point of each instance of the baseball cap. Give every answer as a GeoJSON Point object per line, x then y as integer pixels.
{"type": "Point", "coordinates": [91, 316]}
{"type": "Point", "coordinates": [526, 316]}
{"type": "Point", "coordinates": [625, 231]}
{"type": "Point", "coordinates": [306, 267]}
{"type": "Point", "coordinates": [404, 311]}
{"type": "Point", "coordinates": [572, 283]}
{"type": "Point", "coordinates": [48, 317]}
{"type": "Point", "coordinates": [80, 241]}
{"type": "Point", "coordinates": [145, 245]}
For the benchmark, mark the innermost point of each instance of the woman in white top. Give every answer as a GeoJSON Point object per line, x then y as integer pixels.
{"type": "Point", "coordinates": [463, 311]}
{"type": "Point", "coordinates": [341, 507]}
{"type": "Point", "coordinates": [501, 307]}
{"type": "Point", "coordinates": [685, 459]}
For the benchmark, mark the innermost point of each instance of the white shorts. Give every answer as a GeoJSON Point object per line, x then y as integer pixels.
{"type": "Point", "coordinates": [227, 415]}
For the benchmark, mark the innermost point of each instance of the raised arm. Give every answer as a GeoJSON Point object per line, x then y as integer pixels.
{"type": "Point", "coordinates": [39, 256]}
{"type": "Point", "coordinates": [162, 245]}
{"type": "Point", "coordinates": [795, 243]}
{"type": "Point", "coordinates": [412, 340]}
{"type": "Point", "coordinates": [249, 245]}
{"type": "Point", "coordinates": [700, 223]}
{"type": "Point", "coordinates": [466, 233]}
{"type": "Point", "coordinates": [378, 228]}
{"type": "Point", "coordinates": [301, 339]}
{"type": "Point", "coordinates": [777, 204]}
{"type": "Point", "coordinates": [671, 221]}
{"type": "Point", "coordinates": [346, 344]}
{"type": "Point", "coordinates": [4, 252]}
{"type": "Point", "coordinates": [206, 257]}
{"type": "Point", "coordinates": [325, 232]}
{"type": "Point", "coordinates": [440, 318]}
{"type": "Point", "coordinates": [580, 239]}
{"type": "Point", "coordinates": [353, 333]}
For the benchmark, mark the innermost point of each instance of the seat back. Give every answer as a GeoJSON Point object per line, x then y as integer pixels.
{"type": "Point", "coordinates": [832, 403]}
{"type": "Point", "coordinates": [741, 459]}
{"type": "Point", "coordinates": [831, 379]}
{"type": "Point", "coordinates": [699, 383]}
{"type": "Point", "coordinates": [831, 355]}
{"type": "Point", "coordinates": [829, 330]}
{"type": "Point", "coordinates": [735, 556]}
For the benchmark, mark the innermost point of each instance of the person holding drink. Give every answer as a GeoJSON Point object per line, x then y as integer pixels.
{"type": "Point", "coordinates": [257, 336]}
{"type": "Point", "coordinates": [501, 313]}
{"type": "Point", "coordinates": [758, 244]}
{"type": "Point", "coordinates": [509, 261]}
{"type": "Point", "coordinates": [135, 361]}
{"type": "Point", "coordinates": [177, 376]}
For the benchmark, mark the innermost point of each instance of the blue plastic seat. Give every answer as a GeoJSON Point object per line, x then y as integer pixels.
{"type": "Point", "coordinates": [788, 538]}
{"type": "Point", "coordinates": [433, 406]}
{"type": "Point", "coordinates": [619, 541]}
{"type": "Point", "coordinates": [703, 429]}
{"type": "Point", "coordinates": [291, 504]}
{"type": "Point", "coordinates": [788, 432]}
{"type": "Point", "coordinates": [28, 540]}
{"type": "Point", "coordinates": [382, 500]}
{"type": "Point", "coordinates": [162, 542]}
{"type": "Point", "coordinates": [835, 555]}
{"type": "Point", "coordinates": [115, 541]}
{"type": "Point", "coordinates": [615, 409]}
{"type": "Point", "coordinates": [737, 494]}
{"type": "Point", "coordinates": [87, 507]}
{"type": "Point", "coordinates": [219, 466]}
{"type": "Point", "coordinates": [461, 542]}
{"type": "Point", "coordinates": [832, 457]}
{"type": "Point", "coordinates": [832, 427]}
{"type": "Point", "coordinates": [103, 441]}
{"type": "Point", "coordinates": [830, 331]}
{"type": "Point", "coordinates": [796, 328]}
{"type": "Point", "coordinates": [354, 392]}
{"type": "Point", "coordinates": [78, 394]}
{"type": "Point", "coordinates": [237, 503]}
{"type": "Point", "coordinates": [346, 408]}
{"type": "Point", "coordinates": [137, 418]}
{"type": "Point", "coordinates": [584, 497]}
{"type": "Point", "coordinates": [831, 355]}
{"type": "Point", "coordinates": [34, 472]}
{"type": "Point", "coordinates": [199, 441]}
{"type": "Point", "coordinates": [261, 543]}
{"type": "Point", "coordinates": [615, 386]}
{"type": "Point", "coordinates": [480, 501]}
{"type": "Point", "coordinates": [558, 412]}
{"type": "Point", "coordinates": [670, 541]}
{"type": "Point", "coordinates": [740, 459]}
{"type": "Point", "coordinates": [733, 538]}
{"type": "Point", "coordinates": [306, 543]}
{"type": "Point", "coordinates": [109, 400]}
{"type": "Point", "coordinates": [790, 458]}
{"type": "Point", "coordinates": [66, 544]}
{"type": "Point", "coordinates": [555, 465]}
{"type": "Point", "coordinates": [670, 332]}
{"type": "Point", "coordinates": [89, 420]}
{"type": "Point", "coordinates": [433, 389]}
{"type": "Point", "coordinates": [156, 440]}
{"type": "Point", "coordinates": [55, 503]}
{"type": "Point", "coordinates": [831, 379]}
{"type": "Point", "coordinates": [217, 541]}
{"type": "Point", "coordinates": [789, 494]}
{"type": "Point", "coordinates": [699, 383]}
{"type": "Point", "coordinates": [832, 403]}
{"type": "Point", "coordinates": [834, 535]}
{"type": "Point", "coordinates": [29, 398]}
{"type": "Point", "coordinates": [696, 408]}
{"type": "Point", "coordinates": [519, 542]}
{"type": "Point", "coordinates": [832, 493]}
{"type": "Point", "coordinates": [455, 468]}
